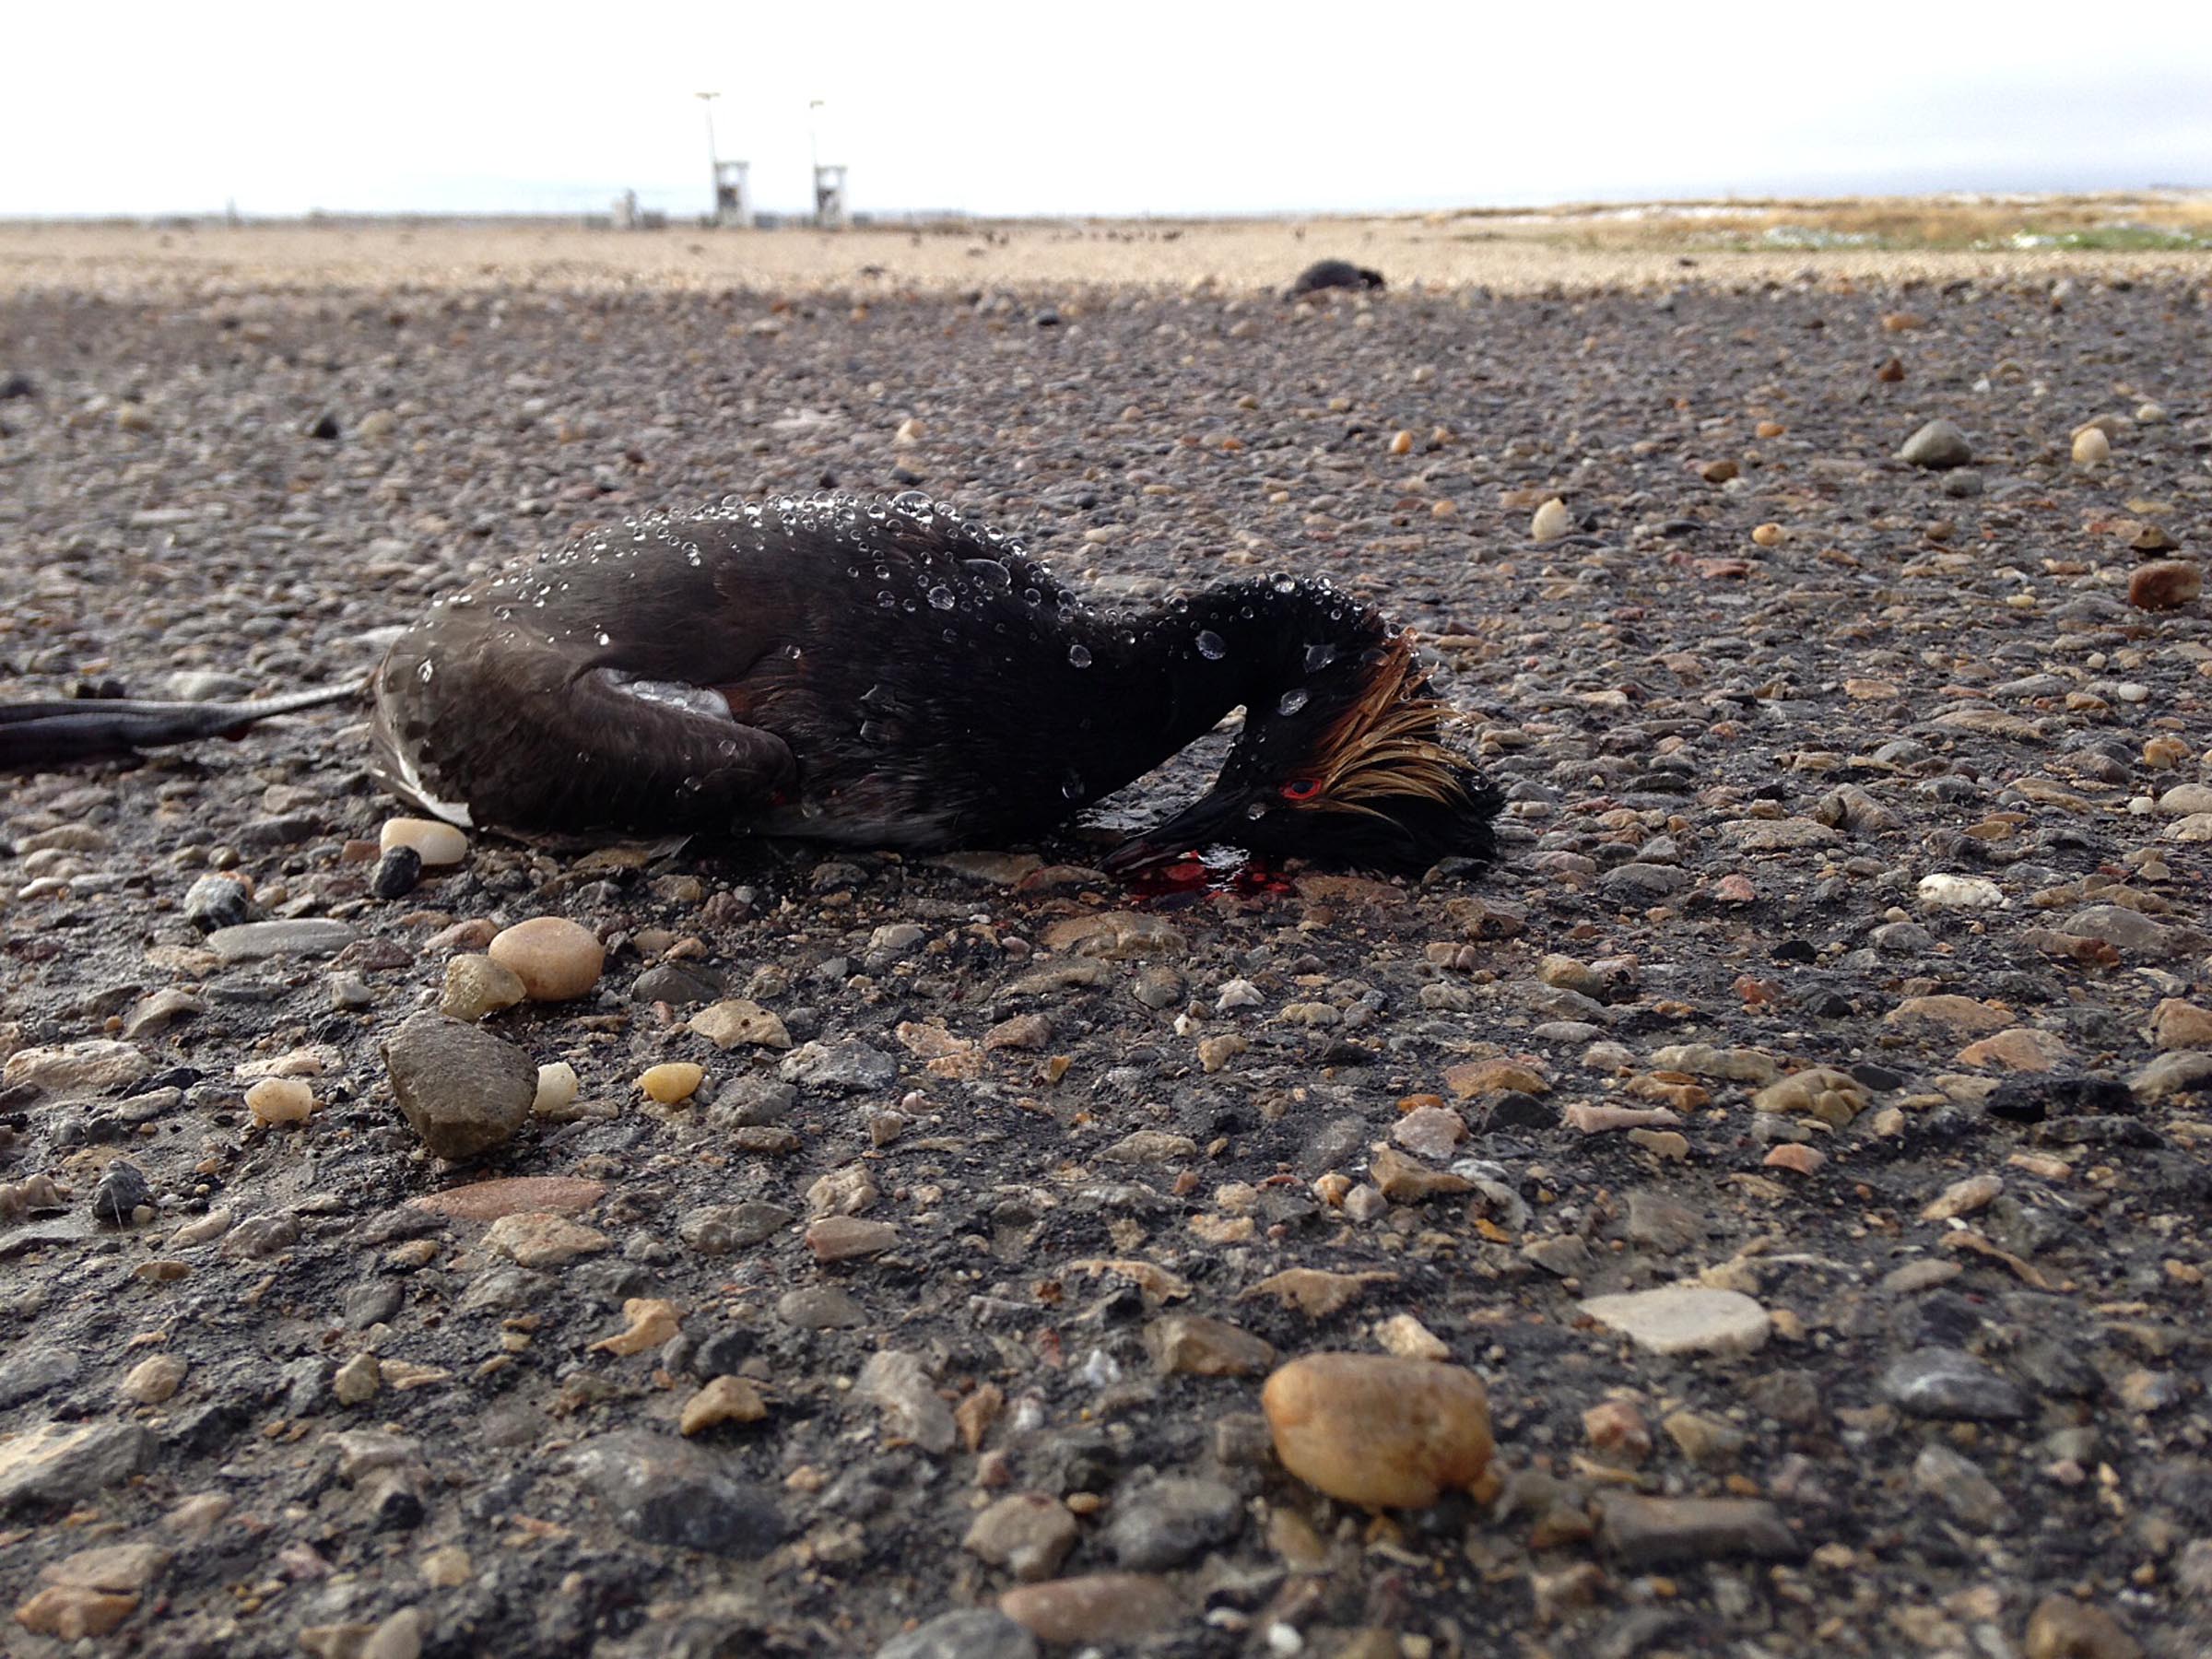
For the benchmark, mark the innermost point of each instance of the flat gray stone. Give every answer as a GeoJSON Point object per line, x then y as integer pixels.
{"type": "Point", "coordinates": [668, 1491]}
{"type": "Point", "coordinates": [30, 1373]}
{"type": "Point", "coordinates": [1651, 1532]}
{"type": "Point", "coordinates": [73, 1069]}
{"type": "Point", "coordinates": [841, 1068]}
{"type": "Point", "coordinates": [67, 1463]}
{"type": "Point", "coordinates": [1172, 1522]}
{"type": "Point", "coordinates": [2124, 929]}
{"type": "Point", "coordinates": [1945, 1382]}
{"type": "Point", "coordinates": [970, 1633]}
{"type": "Point", "coordinates": [256, 941]}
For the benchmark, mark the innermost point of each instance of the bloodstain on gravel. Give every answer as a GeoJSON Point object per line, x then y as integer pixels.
{"type": "Point", "coordinates": [1732, 761]}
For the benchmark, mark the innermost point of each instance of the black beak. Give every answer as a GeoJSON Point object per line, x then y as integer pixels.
{"type": "Point", "coordinates": [1214, 817]}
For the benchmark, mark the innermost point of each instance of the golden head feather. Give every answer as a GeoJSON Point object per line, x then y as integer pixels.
{"type": "Point", "coordinates": [1384, 744]}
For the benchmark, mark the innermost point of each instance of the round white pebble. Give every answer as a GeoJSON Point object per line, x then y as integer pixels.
{"type": "Point", "coordinates": [1959, 892]}
{"type": "Point", "coordinates": [557, 1086]}
{"type": "Point", "coordinates": [437, 845]}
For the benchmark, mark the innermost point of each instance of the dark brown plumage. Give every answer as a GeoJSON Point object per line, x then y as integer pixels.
{"type": "Point", "coordinates": [885, 674]}
{"type": "Point", "coordinates": [888, 674]}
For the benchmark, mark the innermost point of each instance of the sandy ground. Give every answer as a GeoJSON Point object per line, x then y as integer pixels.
{"type": "Point", "coordinates": [1507, 256]}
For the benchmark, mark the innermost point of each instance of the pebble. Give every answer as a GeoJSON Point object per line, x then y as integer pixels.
{"type": "Point", "coordinates": [396, 875]}
{"type": "Point", "coordinates": [1173, 1521]}
{"type": "Point", "coordinates": [2062, 1628]}
{"type": "Point", "coordinates": [530, 1238]}
{"type": "Point", "coordinates": [557, 1088]}
{"type": "Point", "coordinates": [1377, 1431]}
{"type": "Point", "coordinates": [1939, 1382]}
{"type": "Point", "coordinates": [437, 845]}
{"type": "Point", "coordinates": [281, 1100]}
{"type": "Point", "coordinates": [2165, 584]}
{"type": "Point", "coordinates": [900, 1384]}
{"type": "Point", "coordinates": [729, 1024]}
{"type": "Point", "coordinates": [556, 960]}
{"type": "Point", "coordinates": [262, 941]}
{"type": "Point", "coordinates": [838, 1068]}
{"type": "Point", "coordinates": [463, 1091]}
{"type": "Point", "coordinates": [476, 986]}
{"type": "Point", "coordinates": [219, 901]}
{"type": "Point", "coordinates": [1195, 1345]}
{"type": "Point", "coordinates": [1684, 1319]}
{"type": "Point", "coordinates": [722, 1400]}
{"type": "Point", "coordinates": [2176, 1024]}
{"type": "Point", "coordinates": [1640, 1531]}
{"type": "Point", "coordinates": [1959, 892]}
{"type": "Point", "coordinates": [651, 1322]}
{"type": "Point", "coordinates": [29, 1372]}
{"type": "Point", "coordinates": [358, 1381]}
{"type": "Point", "coordinates": [1097, 1607]}
{"type": "Point", "coordinates": [153, 1380]}
{"type": "Point", "coordinates": [1954, 1482]}
{"type": "Point", "coordinates": [120, 1194]}
{"type": "Point", "coordinates": [67, 1463]}
{"type": "Point", "coordinates": [1550, 521]}
{"type": "Point", "coordinates": [671, 1082]}
{"type": "Point", "coordinates": [1963, 1197]}
{"type": "Point", "coordinates": [966, 1633]}
{"type": "Point", "coordinates": [1028, 1534]}
{"type": "Point", "coordinates": [846, 1237]}
{"type": "Point", "coordinates": [71, 1070]}
{"type": "Point", "coordinates": [668, 1491]}
{"type": "Point", "coordinates": [1937, 444]}
{"type": "Point", "coordinates": [2091, 447]}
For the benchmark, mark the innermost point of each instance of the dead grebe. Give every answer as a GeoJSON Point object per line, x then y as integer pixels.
{"type": "Point", "coordinates": [888, 674]}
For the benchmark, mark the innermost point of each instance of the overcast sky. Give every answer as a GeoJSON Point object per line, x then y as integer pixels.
{"type": "Point", "coordinates": [1126, 107]}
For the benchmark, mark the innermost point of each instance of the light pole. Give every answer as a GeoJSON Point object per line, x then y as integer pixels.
{"type": "Point", "coordinates": [814, 135]}
{"type": "Point", "coordinates": [713, 155]}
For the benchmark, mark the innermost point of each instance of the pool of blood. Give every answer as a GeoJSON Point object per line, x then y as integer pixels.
{"type": "Point", "coordinates": [1192, 879]}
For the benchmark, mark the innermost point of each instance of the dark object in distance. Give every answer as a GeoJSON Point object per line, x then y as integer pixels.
{"type": "Point", "coordinates": [1333, 273]}
{"type": "Point", "coordinates": [2031, 1099]}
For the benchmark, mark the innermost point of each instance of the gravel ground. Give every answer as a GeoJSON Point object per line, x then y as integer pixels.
{"type": "Point", "coordinates": [1844, 981]}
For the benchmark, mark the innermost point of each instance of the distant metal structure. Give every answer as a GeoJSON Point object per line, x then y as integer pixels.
{"type": "Point", "coordinates": [733, 188]}
{"type": "Point", "coordinates": [733, 195]}
{"type": "Point", "coordinates": [830, 212]}
{"type": "Point", "coordinates": [828, 181]}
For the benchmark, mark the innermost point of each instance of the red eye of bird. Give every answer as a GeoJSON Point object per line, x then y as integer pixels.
{"type": "Point", "coordinates": [1300, 789]}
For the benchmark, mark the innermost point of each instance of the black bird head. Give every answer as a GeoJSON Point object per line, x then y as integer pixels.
{"type": "Point", "coordinates": [1348, 768]}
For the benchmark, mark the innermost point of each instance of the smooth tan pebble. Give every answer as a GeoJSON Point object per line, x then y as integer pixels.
{"type": "Point", "coordinates": [281, 1100]}
{"type": "Point", "coordinates": [668, 1084]}
{"type": "Point", "coordinates": [556, 960]}
{"type": "Point", "coordinates": [1378, 1430]}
